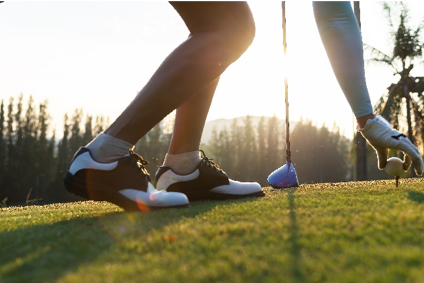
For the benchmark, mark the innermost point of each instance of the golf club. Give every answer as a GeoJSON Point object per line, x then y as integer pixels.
{"type": "Point", "coordinates": [285, 176]}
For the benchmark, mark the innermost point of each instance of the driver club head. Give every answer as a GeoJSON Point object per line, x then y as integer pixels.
{"type": "Point", "coordinates": [283, 177]}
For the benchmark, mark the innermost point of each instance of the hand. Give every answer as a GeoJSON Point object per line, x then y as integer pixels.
{"type": "Point", "coordinates": [381, 137]}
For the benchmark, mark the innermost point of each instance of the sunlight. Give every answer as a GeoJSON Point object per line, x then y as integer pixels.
{"type": "Point", "coordinates": [259, 75]}
{"type": "Point", "coordinates": [102, 60]}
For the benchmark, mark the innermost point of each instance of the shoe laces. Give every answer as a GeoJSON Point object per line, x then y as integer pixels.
{"type": "Point", "coordinates": [141, 163]}
{"type": "Point", "coordinates": [208, 161]}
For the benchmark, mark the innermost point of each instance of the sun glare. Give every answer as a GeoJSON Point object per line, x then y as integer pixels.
{"type": "Point", "coordinates": [102, 60]}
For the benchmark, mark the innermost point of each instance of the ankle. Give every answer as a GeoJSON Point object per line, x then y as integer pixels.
{"type": "Point", "coordinates": [183, 163]}
{"type": "Point", "coordinates": [105, 148]}
{"type": "Point", "coordinates": [362, 121]}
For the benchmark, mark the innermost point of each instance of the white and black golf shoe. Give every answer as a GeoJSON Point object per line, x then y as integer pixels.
{"type": "Point", "coordinates": [380, 135]}
{"type": "Point", "coordinates": [124, 182]}
{"type": "Point", "coordinates": [206, 182]}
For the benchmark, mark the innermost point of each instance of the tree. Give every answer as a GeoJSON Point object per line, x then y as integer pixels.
{"type": "Point", "coordinates": [30, 159]}
{"type": "Point", "coordinates": [262, 149]}
{"type": "Point", "coordinates": [248, 147]}
{"type": "Point", "coordinates": [63, 157]}
{"type": "Point", "coordinates": [319, 155]}
{"type": "Point", "coordinates": [76, 138]}
{"type": "Point", "coordinates": [100, 125]}
{"type": "Point", "coordinates": [44, 163]}
{"type": "Point", "coordinates": [2, 144]}
{"type": "Point", "coordinates": [10, 161]}
{"type": "Point", "coordinates": [274, 159]}
{"type": "Point", "coordinates": [88, 134]}
{"type": "Point", "coordinates": [361, 144]}
{"type": "Point", "coordinates": [154, 146]}
{"type": "Point", "coordinates": [304, 139]}
{"type": "Point", "coordinates": [236, 151]}
{"type": "Point", "coordinates": [29, 151]}
{"type": "Point", "coordinates": [405, 95]}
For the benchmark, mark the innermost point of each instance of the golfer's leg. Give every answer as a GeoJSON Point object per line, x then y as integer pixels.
{"type": "Point", "coordinates": [342, 40]}
{"type": "Point", "coordinates": [185, 170]}
{"type": "Point", "coordinates": [183, 153]}
{"type": "Point", "coordinates": [190, 120]}
{"type": "Point", "coordinates": [220, 33]}
{"type": "Point", "coordinates": [105, 169]}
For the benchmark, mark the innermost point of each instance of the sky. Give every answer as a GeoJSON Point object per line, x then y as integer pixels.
{"type": "Point", "coordinates": [97, 55]}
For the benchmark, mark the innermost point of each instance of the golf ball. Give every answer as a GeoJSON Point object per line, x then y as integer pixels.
{"type": "Point", "coordinates": [394, 166]}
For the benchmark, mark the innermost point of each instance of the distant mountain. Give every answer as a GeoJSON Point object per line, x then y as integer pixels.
{"type": "Point", "coordinates": [219, 125]}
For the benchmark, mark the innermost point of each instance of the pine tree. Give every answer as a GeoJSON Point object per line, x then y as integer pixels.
{"type": "Point", "coordinates": [274, 160]}
{"type": "Point", "coordinates": [99, 126]}
{"type": "Point", "coordinates": [76, 137]}
{"type": "Point", "coordinates": [19, 132]}
{"type": "Point", "coordinates": [2, 146]}
{"type": "Point", "coordinates": [63, 156]}
{"type": "Point", "coordinates": [214, 144]}
{"type": "Point", "coordinates": [10, 161]}
{"type": "Point", "coordinates": [224, 149]}
{"type": "Point", "coordinates": [262, 166]}
{"type": "Point", "coordinates": [28, 149]}
{"type": "Point", "coordinates": [43, 163]}
{"type": "Point", "coordinates": [153, 147]}
{"type": "Point", "coordinates": [10, 132]}
{"type": "Point", "coordinates": [2, 150]}
{"type": "Point", "coordinates": [235, 150]}
{"type": "Point", "coordinates": [88, 133]}
{"type": "Point", "coordinates": [303, 140]}
{"type": "Point", "coordinates": [249, 150]}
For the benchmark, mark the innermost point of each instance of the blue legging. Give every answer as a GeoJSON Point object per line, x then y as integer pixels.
{"type": "Point", "coordinates": [342, 40]}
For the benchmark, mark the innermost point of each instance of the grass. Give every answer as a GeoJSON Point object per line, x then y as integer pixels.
{"type": "Point", "coordinates": [339, 232]}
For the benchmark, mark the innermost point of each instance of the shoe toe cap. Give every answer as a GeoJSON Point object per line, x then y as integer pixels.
{"type": "Point", "coordinates": [175, 199]}
{"type": "Point", "coordinates": [156, 199]}
{"type": "Point", "coordinates": [238, 188]}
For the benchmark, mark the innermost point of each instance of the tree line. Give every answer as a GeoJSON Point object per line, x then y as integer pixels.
{"type": "Point", "coordinates": [251, 154]}
{"type": "Point", "coordinates": [33, 159]}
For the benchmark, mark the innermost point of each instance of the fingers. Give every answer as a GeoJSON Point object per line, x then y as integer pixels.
{"type": "Point", "coordinates": [413, 152]}
{"type": "Point", "coordinates": [418, 166]}
{"type": "Point", "coordinates": [382, 154]}
{"type": "Point", "coordinates": [406, 162]}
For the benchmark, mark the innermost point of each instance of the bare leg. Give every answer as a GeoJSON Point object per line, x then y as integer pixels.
{"type": "Point", "coordinates": [190, 120]}
{"type": "Point", "coordinates": [220, 33]}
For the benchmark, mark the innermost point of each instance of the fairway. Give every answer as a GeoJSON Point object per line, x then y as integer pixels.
{"type": "Point", "coordinates": [338, 232]}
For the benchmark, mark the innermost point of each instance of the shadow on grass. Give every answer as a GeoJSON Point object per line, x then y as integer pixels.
{"type": "Point", "coordinates": [416, 196]}
{"type": "Point", "coordinates": [295, 247]}
{"type": "Point", "coordinates": [46, 252]}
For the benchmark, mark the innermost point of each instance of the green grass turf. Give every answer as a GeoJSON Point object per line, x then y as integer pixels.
{"type": "Point", "coordinates": [340, 232]}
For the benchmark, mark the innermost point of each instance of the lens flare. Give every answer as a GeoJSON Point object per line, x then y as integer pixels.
{"type": "Point", "coordinates": [142, 205]}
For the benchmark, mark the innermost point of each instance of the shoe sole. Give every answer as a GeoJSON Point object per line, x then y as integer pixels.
{"type": "Point", "coordinates": [99, 192]}
{"type": "Point", "coordinates": [198, 196]}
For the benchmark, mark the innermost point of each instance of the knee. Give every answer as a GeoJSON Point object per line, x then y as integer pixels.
{"type": "Point", "coordinates": [238, 40]}
{"type": "Point", "coordinates": [227, 42]}
{"type": "Point", "coordinates": [232, 42]}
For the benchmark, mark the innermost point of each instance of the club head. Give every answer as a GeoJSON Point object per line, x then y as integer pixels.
{"type": "Point", "coordinates": [283, 177]}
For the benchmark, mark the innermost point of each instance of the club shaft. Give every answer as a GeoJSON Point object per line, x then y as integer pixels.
{"type": "Point", "coordinates": [286, 87]}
